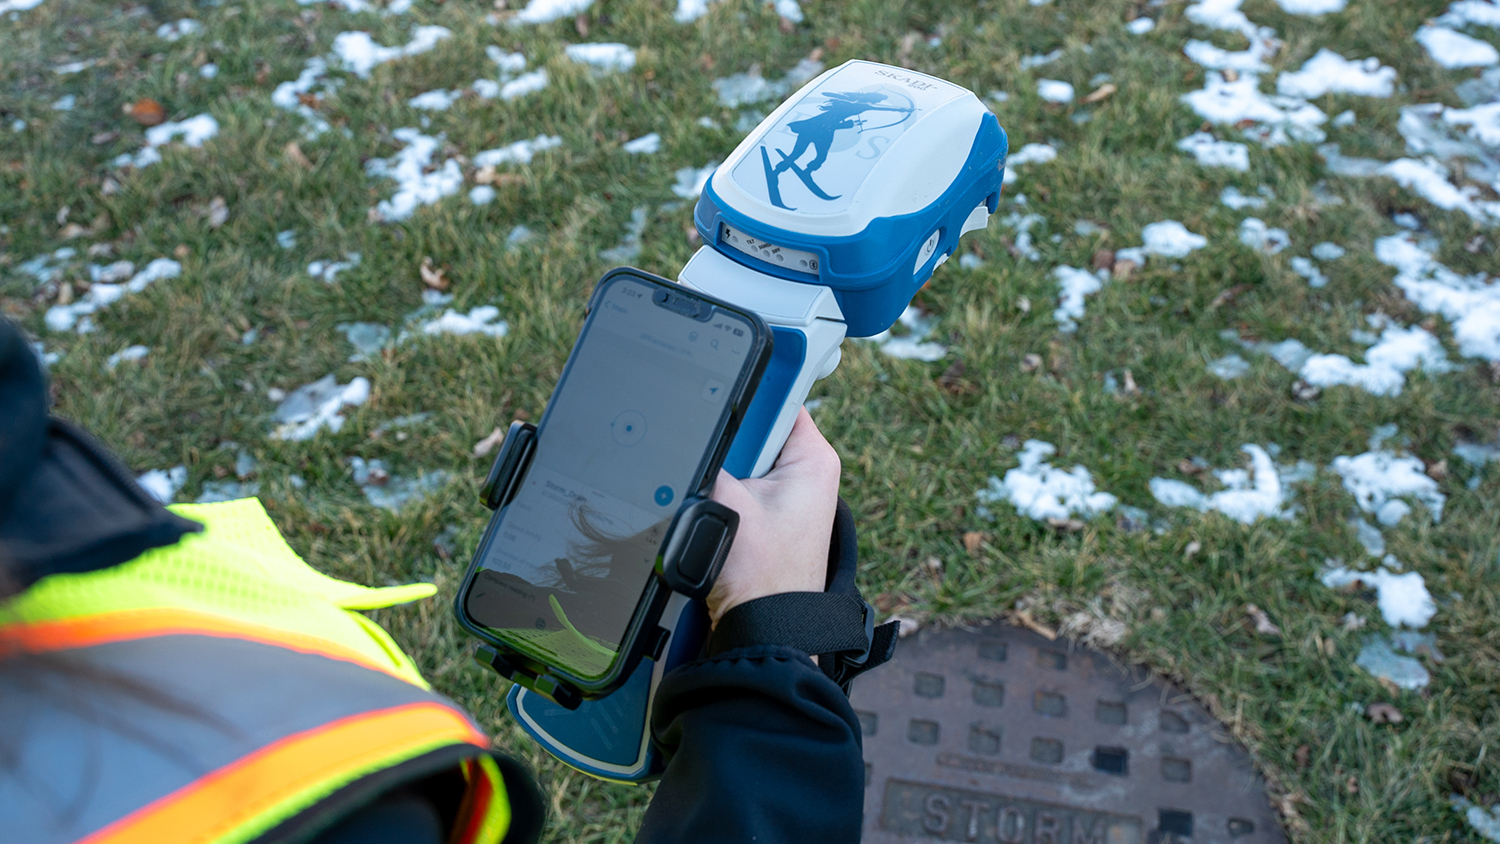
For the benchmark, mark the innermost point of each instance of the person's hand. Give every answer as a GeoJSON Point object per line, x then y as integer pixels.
{"type": "Point", "coordinates": [786, 521]}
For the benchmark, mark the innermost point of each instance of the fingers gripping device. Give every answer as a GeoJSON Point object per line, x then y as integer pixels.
{"type": "Point", "coordinates": [825, 220]}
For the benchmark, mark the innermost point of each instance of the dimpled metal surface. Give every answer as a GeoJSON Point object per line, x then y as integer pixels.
{"type": "Point", "coordinates": [996, 734]}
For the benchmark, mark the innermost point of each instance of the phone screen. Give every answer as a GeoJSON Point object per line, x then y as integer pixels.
{"type": "Point", "coordinates": [621, 443]}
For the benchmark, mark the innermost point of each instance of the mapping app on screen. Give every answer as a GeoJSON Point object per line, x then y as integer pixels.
{"type": "Point", "coordinates": [620, 445]}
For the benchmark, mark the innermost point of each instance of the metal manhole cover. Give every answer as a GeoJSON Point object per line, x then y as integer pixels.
{"type": "Point", "coordinates": [1001, 736]}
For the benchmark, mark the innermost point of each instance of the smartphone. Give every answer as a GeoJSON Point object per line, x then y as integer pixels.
{"type": "Point", "coordinates": [565, 578]}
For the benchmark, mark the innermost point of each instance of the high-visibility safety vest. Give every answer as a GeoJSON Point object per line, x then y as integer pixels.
{"type": "Point", "coordinates": [219, 691]}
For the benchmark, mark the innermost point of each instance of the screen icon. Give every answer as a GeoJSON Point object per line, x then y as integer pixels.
{"type": "Point", "coordinates": [628, 428]}
{"type": "Point", "coordinates": [712, 390]}
{"type": "Point", "coordinates": [664, 495]}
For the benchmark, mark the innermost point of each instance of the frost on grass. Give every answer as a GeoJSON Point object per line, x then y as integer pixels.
{"type": "Point", "coordinates": [392, 492]}
{"type": "Point", "coordinates": [1470, 303]}
{"type": "Point", "coordinates": [1042, 491]}
{"type": "Point", "coordinates": [1075, 284]}
{"type": "Point", "coordinates": [629, 247]}
{"type": "Point", "coordinates": [1255, 234]}
{"type": "Point", "coordinates": [546, 11]}
{"type": "Point", "coordinates": [1212, 152]}
{"type": "Point", "coordinates": [519, 152]}
{"type": "Point", "coordinates": [607, 57]}
{"type": "Point", "coordinates": [1403, 598]}
{"type": "Point", "coordinates": [163, 484]}
{"type": "Point", "coordinates": [1054, 90]}
{"type": "Point", "coordinates": [1328, 72]}
{"type": "Point", "coordinates": [750, 88]}
{"type": "Point", "coordinates": [418, 180]}
{"type": "Point", "coordinates": [644, 145]}
{"type": "Point", "coordinates": [192, 132]}
{"type": "Point", "coordinates": [913, 345]}
{"type": "Point", "coordinates": [1454, 49]}
{"type": "Point", "coordinates": [75, 315]}
{"type": "Point", "coordinates": [1379, 657]}
{"type": "Point", "coordinates": [317, 406]}
{"type": "Point", "coordinates": [127, 354]}
{"type": "Point", "coordinates": [1028, 154]}
{"type": "Point", "coordinates": [1167, 238]}
{"type": "Point", "coordinates": [1249, 494]}
{"type": "Point", "coordinates": [690, 180]}
{"type": "Point", "coordinates": [1381, 480]}
{"type": "Point", "coordinates": [1229, 367]}
{"type": "Point", "coordinates": [359, 54]}
{"type": "Point", "coordinates": [328, 271]}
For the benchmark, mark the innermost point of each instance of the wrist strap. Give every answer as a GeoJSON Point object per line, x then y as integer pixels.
{"type": "Point", "coordinates": [839, 628]}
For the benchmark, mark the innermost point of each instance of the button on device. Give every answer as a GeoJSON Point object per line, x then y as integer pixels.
{"type": "Point", "coordinates": [712, 389]}
{"type": "Point", "coordinates": [703, 546]}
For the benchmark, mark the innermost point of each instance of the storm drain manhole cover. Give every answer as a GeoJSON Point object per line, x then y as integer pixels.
{"type": "Point", "coordinates": [999, 735]}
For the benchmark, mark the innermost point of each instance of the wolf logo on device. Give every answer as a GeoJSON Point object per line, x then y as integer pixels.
{"type": "Point", "coordinates": [842, 111]}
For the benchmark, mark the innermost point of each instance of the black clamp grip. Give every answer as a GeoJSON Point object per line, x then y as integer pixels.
{"type": "Point", "coordinates": [510, 465]}
{"type": "Point", "coordinates": [542, 683]}
{"type": "Point", "coordinates": [697, 545]}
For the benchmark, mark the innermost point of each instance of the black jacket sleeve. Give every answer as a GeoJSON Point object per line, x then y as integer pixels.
{"type": "Point", "coordinates": [762, 746]}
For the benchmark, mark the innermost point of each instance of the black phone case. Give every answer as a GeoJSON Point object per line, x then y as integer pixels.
{"type": "Point", "coordinates": [509, 471]}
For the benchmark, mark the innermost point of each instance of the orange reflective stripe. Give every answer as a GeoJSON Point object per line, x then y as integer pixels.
{"type": "Point", "coordinates": [83, 631]}
{"type": "Point", "coordinates": [291, 770]}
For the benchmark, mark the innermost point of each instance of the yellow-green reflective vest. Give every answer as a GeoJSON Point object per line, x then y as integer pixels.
{"type": "Point", "coordinates": [214, 692]}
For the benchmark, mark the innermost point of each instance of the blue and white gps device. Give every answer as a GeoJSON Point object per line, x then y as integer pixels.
{"type": "Point", "coordinates": [825, 221]}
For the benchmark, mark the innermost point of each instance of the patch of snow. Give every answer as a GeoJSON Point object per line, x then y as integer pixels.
{"type": "Point", "coordinates": [1346, 165]}
{"type": "Point", "coordinates": [13, 6]}
{"type": "Point", "coordinates": [1252, 60]}
{"type": "Point", "coordinates": [1028, 62]}
{"type": "Point", "coordinates": [1028, 154]}
{"type": "Point", "coordinates": [227, 490]}
{"type": "Point", "coordinates": [415, 185]}
{"type": "Point", "coordinates": [193, 132]}
{"type": "Point", "coordinates": [629, 247]}
{"type": "Point", "coordinates": [1167, 238]}
{"type": "Point", "coordinates": [644, 145]}
{"type": "Point", "coordinates": [484, 319]}
{"type": "Point", "coordinates": [435, 100]}
{"type": "Point", "coordinates": [1212, 152]}
{"type": "Point", "coordinates": [1221, 14]}
{"type": "Point", "coordinates": [1022, 224]}
{"type": "Point", "coordinates": [1485, 822]}
{"type": "Point", "coordinates": [47, 358]}
{"type": "Point", "coordinates": [1140, 26]}
{"type": "Point", "coordinates": [392, 492]}
{"type": "Point", "coordinates": [1280, 119]}
{"type": "Point", "coordinates": [507, 63]}
{"type": "Point", "coordinates": [317, 406]}
{"type": "Point", "coordinates": [970, 261]}
{"type": "Point", "coordinates": [1377, 478]}
{"type": "Point", "coordinates": [1403, 598]}
{"type": "Point", "coordinates": [286, 239]}
{"type": "Point", "coordinates": [1232, 197]}
{"type": "Point", "coordinates": [178, 29]}
{"type": "Point", "coordinates": [690, 181]}
{"type": "Point", "coordinates": [608, 57]}
{"type": "Point", "coordinates": [1398, 351]}
{"type": "Point", "coordinates": [1041, 491]}
{"type": "Point", "coordinates": [1380, 659]}
{"type": "Point", "coordinates": [48, 265]}
{"type": "Point", "coordinates": [359, 54]}
{"type": "Point", "coordinates": [1470, 303]}
{"type": "Point", "coordinates": [1054, 90]}
{"type": "Point", "coordinates": [750, 88]}
{"type": "Point", "coordinates": [1311, 7]}
{"type": "Point", "coordinates": [163, 484]}
{"type": "Point", "coordinates": [1328, 72]}
{"type": "Point", "coordinates": [913, 345]}
{"type": "Point", "coordinates": [1255, 234]}
{"type": "Point", "coordinates": [1327, 251]}
{"type": "Point", "coordinates": [369, 339]}
{"type": "Point", "coordinates": [129, 353]}
{"type": "Point", "coordinates": [286, 95]}
{"type": "Point", "coordinates": [208, 71]}
{"type": "Point", "coordinates": [1229, 367]}
{"type": "Point", "coordinates": [66, 102]}
{"type": "Point", "coordinates": [546, 11]}
{"type": "Point", "coordinates": [1344, 118]}
{"type": "Point", "coordinates": [327, 271]}
{"type": "Point", "coordinates": [690, 10]}
{"type": "Point", "coordinates": [111, 273]}
{"type": "Point", "coordinates": [75, 315]}
{"type": "Point", "coordinates": [1429, 180]}
{"type": "Point", "coordinates": [519, 235]}
{"type": "Point", "coordinates": [1454, 49]}
{"type": "Point", "coordinates": [1308, 270]}
{"type": "Point", "coordinates": [481, 195]}
{"type": "Point", "coordinates": [1248, 494]}
{"type": "Point", "coordinates": [1075, 284]}
{"type": "Point", "coordinates": [519, 152]}
{"type": "Point", "coordinates": [526, 83]}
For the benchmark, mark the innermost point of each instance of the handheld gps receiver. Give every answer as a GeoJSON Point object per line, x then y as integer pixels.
{"type": "Point", "coordinates": [825, 221]}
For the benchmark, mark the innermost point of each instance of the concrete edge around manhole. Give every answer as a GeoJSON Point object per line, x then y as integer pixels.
{"type": "Point", "coordinates": [993, 733]}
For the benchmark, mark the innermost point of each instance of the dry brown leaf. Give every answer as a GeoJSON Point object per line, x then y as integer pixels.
{"type": "Point", "coordinates": [293, 152]}
{"type": "Point", "coordinates": [1384, 713]}
{"type": "Point", "coordinates": [1123, 269]}
{"type": "Point", "coordinates": [1439, 470]}
{"type": "Point", "coordinates": [62, 214]}
{"type": "Point", "coordinates": [1031, 362]}
{"type": "Point", "coordinates": [1262, 621]}
{"type": "Point", "coordinates": [1303, 391]}
{"type": "Point", "coordinates": [1065, 525]}
{"type": "Point", "coordinates": [1351, 785]}
{"type": "Point", "coordinates": [1023, 618]}
{"type": "Point", "coordinates": [71, 231]}
{"type": "Point", "coordinates": [974, 540]}
{"type": "Point", "coordinates": [1101, 92]}
{"type": "Point", "coordinates": [1302, 756]}
{"type": "Point", "coordinates": [1104, 259]}
{"type": "Point", "coordinates": [100, 224]}
{"type": "Point", "coordinates": [181, 252]}
{"type": "Point", "coordinates": [65, 293]}
{"type": "Point", "coordinates": [434, 277]}
{"type": "Point", "coordinates": [1192, 549]}
{"type": "Point", "coordinates": [146, 111]}
{"type": "Point", "coordinates": [489, 443]}
{"type": "Point", "coordinates": [1188, 467]}
{"type": "Point", "coordinates": [218, 212]}
{"type": "Point", "coordinates": [485, 174]}
{"type": "Point", "coordinates": [1228, 296]}
{"type": "Point", "coordinates": [100, 138]}
{"type": "Point", "coordinates": [1128, 386]}
{"type": "Point", "coordinates": [933, 567]}
{"type": "Point", "coordinates": [1230, 74]}
{"type": "Point", "coordinates": [109, 187]}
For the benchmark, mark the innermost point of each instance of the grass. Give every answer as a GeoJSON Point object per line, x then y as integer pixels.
{"type": "Point", "coordinates": [914, 450]}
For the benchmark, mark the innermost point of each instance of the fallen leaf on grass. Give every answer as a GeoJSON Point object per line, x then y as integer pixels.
{"type": "Point", "coordinates": [1230, 74]}
{"type": "Point", "coordinates": [934, 569]}
{"type": "Point", "coordinates": [146, 111]}
{"type": "Point", "coordinates": [1302, 755]}
{"type": "Point", "coordinates": [71, 231]}
{"type": "Point", "coordinates": [293, 152]}
{"type": "Point", "coordinates": [1023, 618]}
{"type": "Point", "coordinates": [100, 138]}
{"type": "Point", "coordinates": [1031, 362]}
{"type": "Point", "coordinates": [1439, 470]}
{"type": "Point", "coordinates": [1262, 621]}
{"type": "Point", "coordinates": [1123, 269]}
{"type": "Point", "coordinates": [1228, 296]}
{"type": "Point", "coordinates": [1104, 259]}
{"type": "Point", "coordinates": [1064, 525]}
{"type": "Point", "coordinates": [218, 212]}
{"type": "Point", "coordinates": [489, 443]}
{"type": "Point", "coordinates": [1101, 92]}
{"type": "Point", "coordinates": [1187, 467]}
{"type": "Point", "coordinates": [1384, 713]}
{"type": "Point", "coordinates": [1351, 785]}
{"type": "Point", "coordinates": [1192, 549]}
{"type": "Point", "coordinates": [1023, 305]}
{"type": "Point", "coordinates": [952, 378]}
{"type": "Point", "coordinates": [181, 252]}
{"type": "Point", "coordinates": [1303, 391]}
{"type": "Point", "coordinates": [973, 540]}
{"type": "Point", "coordinates": [433, 277]}
{"type": "Point", "coordinates": [1128, 387]}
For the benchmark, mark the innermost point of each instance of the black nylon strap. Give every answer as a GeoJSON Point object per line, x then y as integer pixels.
{"type": "Point", "coordinates": [811, 622]}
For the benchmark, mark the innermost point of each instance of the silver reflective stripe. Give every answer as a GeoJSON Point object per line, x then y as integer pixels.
{"type": "Point", "coordinates": [86, 749]}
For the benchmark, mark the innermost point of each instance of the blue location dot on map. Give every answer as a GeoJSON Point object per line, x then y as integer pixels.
{"type": "Point", "coordinates": [663, 495]}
